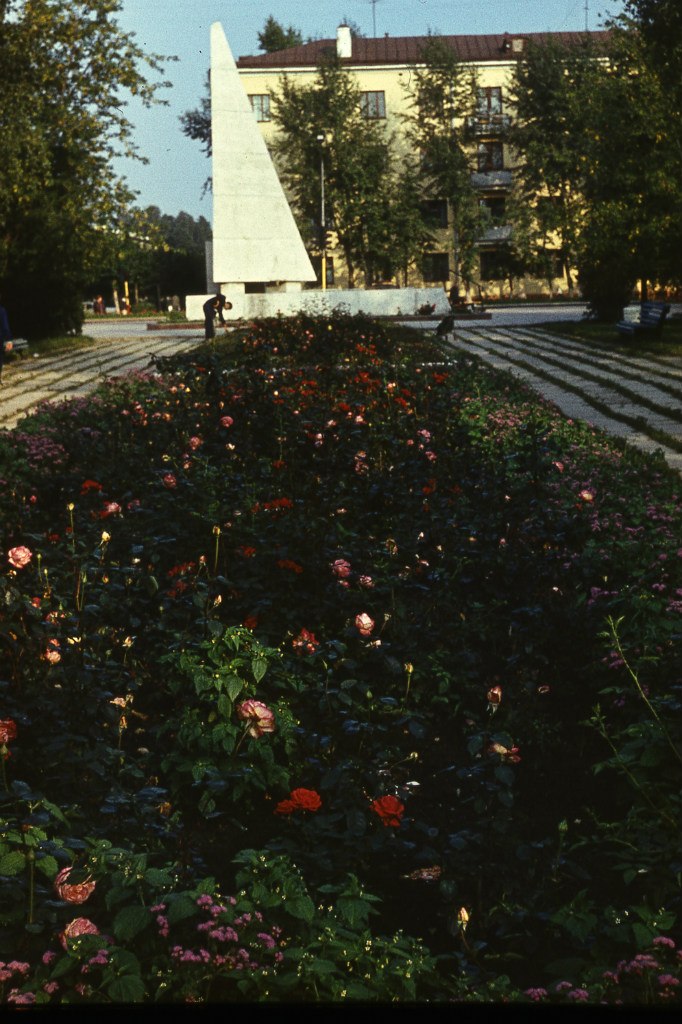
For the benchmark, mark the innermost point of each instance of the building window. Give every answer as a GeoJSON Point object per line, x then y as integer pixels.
{"type": "Point", "coordinates": [436, 267]}
{"type": "Point", "coordinates": [489, 101]}
{"type": "Point", "coordinates": [493, 209]}
{"type": "Point", "coordinates": [435, 212]}
{"type": "Point", "coordinates": [261, 106]}
{"type": "Point", "coordinates": [490, 156]}
{"type": "Point", "coordinates": [373, 105]}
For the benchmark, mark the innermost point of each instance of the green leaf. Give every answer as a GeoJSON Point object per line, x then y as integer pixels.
{"type": "Point", "coordinates": [180, 907]}
{"type": "Point", "coordinates": [235, 685]}
{"type": "Point", "coordinates": [158, 876]}
{"type": "Point", "coordinates": [62, 967]}
{"type": "Point", "coordinates": [48, 866]}
{"type": "Point", "coordinates": [301, 907]}
{"type": "Point", "coordinates": [259, 667]}
{"type": "Point", "coordinates": [130, 921]}
{"type": "Point", "coordinates": [355, 911]}
{"type": "Point", "coordinates": [128, 989]}
{"type": "Point", "coordinates": [12, 863]}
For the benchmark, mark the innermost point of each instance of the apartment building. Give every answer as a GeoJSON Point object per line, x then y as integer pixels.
{"type": "Point", "coordinates": [382, 69]}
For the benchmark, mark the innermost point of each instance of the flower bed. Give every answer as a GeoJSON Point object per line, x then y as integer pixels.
{"type": "Point", "coordinates": [336, 667]}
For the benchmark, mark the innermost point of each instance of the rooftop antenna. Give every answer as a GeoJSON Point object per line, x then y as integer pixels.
{"type": "Point", "coordinates": [374, 17]}
{"type": "Point", "coordinates": [587, 15]}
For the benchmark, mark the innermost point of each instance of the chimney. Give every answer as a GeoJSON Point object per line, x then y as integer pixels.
{"type": "Point", "coordinates": [344, 45]}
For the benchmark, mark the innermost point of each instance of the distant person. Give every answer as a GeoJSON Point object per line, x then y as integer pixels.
{"type": "Point", "coordinates": [5, 334]}
{"type": "Point", "coordinates": [98, 307]}
{"type": "Point", "coordinates": [214, 307]}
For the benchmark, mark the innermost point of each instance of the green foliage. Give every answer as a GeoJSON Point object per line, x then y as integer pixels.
{"type": "Point", "coordinates": [366, 197]}
{"type": "Point", "coordinates": [275, 37]}
{"type": "Point", "coordinates": [442, 94]}
{"type": "Point", "coordinates": [63, 123]}
{"type": "Point", "coordinates": [599, 153]}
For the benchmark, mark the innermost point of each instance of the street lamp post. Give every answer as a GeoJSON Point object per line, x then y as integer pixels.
{"type": "Point", "coordinates": [323, 218]}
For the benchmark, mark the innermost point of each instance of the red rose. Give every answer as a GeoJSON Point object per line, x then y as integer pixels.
{"type": "Point", "coordinates": [300, 800]}
{"type": "Point", "coordinates": [389, 809]}
{"type": "Point", "coordinates": [306, 799]}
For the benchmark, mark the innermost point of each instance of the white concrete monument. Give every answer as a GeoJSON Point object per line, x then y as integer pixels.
{"type": "Point", "coordinates": [255, 238]}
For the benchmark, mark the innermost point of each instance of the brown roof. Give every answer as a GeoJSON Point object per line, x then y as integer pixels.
{"type": "Point", "coordinates": [407, 49]}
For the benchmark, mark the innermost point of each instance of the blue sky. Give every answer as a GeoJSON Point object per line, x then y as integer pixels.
{"type": "Point", "coordinates": [177, 168]}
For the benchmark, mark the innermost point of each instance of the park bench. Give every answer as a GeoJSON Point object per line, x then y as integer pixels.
{"type": "Point", "coordinates": [650, 321]}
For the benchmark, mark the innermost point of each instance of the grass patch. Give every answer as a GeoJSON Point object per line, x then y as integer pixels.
{"type": "Point", "coordinates": [668, 344]}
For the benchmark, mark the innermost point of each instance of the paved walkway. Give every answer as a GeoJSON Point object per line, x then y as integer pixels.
{"type": "Point", "coordinates": [34, 379]}
{"type": "Point", "coordinates": [638, 399]}
{"type": "Point", "coordinates": [633, 397]}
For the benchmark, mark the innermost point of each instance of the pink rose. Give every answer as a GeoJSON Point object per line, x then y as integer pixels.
{"type": "Point", "coordinates": [364, 624]}
{"type": "Point", "coordinates": [110, 508]}
{"type": "Point", "coordinates": [169, 481]}
{"type": "Point", "coordinates": [20, 556]}
{"type": "Point", "coordinates": [341, 568]}
{"type": "Point", "coordinates": [74, 929]}
{"type": "Point", "coordinates": [78, 892]}
{"type": "Point", "coordinates": [194, 443]}
{"type": "Point", "coordinates": [226, 421]}
{"type": "Point", "coordinates": [259, 715]}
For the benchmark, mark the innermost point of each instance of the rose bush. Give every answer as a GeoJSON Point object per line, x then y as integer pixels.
{"type": "Point", "coordinates": [360, 604]}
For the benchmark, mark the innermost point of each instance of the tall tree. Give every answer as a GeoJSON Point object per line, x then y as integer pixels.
{"type": "Point", "coordinates": [275, 37]}
{"type": "Point", "coordinates": [64, 74]}
{"type": "Point", "coordinates": [442, 93]}
{"type": "Point", "coordinates": [548, 135]}
{"type": "Point", "coordinates": [323, 123]}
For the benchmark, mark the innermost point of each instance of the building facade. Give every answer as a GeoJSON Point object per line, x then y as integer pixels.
{"type": "Point", "coordinates": [381, 68]}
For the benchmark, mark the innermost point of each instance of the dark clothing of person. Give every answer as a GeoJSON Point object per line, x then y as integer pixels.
{"type": "Point", "coordinates": [5, 335]}
{"type": "Point", "coordinates": [211, 307]}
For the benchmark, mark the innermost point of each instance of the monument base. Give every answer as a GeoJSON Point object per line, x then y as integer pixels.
{"type": "Point", "coordinates": [316, 302]}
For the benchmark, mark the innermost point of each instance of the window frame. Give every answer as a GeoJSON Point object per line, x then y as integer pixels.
{"type": "Point", "coordinates": [261, 111]}
{"type": "Point", "coordinates": [373, 109]}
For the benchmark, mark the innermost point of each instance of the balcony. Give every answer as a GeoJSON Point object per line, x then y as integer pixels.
{"type": "Point", "coordinates": [496, 234]}
{"type": "Point", "coordinates": [488, 124]}
{"type": "Point", "coordinates": [491, 179]}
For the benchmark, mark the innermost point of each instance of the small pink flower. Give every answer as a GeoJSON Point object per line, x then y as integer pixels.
{"type": "Point", "coordinates": [226, 421]}
{"type": "Point", "coordinates": [341, 568]}
{"type": "Point", "coordinates": [587, 494]}
{"type": "Point", "coordinates": [364, 624]}
{"type": "Point", "coordinates": [170, 481]}
{"type": "Point", "coordinates": [194, 443]}
{"type": "Point", "coordinates": [259, 715]}
{"type": "Point", "coordinates": [19, 557]}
